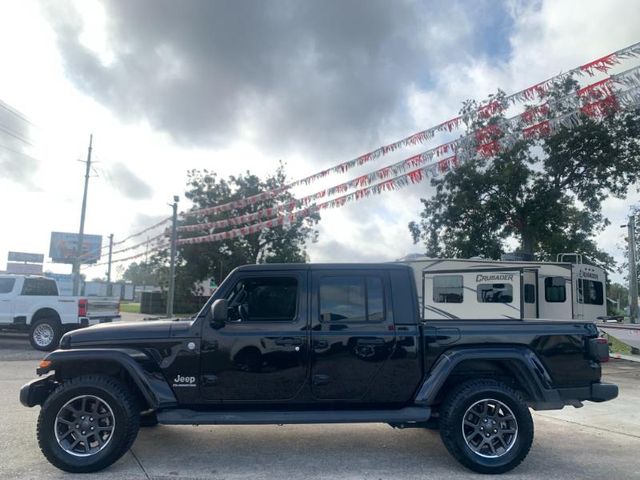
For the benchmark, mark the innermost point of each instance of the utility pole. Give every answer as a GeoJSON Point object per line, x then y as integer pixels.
{"type": "Point", "coordinates": [172, 265]}
{"type": "Point", "coordinates": [109, 287]}
{"type": "Point", "coordinates": [633, 274]}
{"type": "Point", "coordinates": [78, 259]}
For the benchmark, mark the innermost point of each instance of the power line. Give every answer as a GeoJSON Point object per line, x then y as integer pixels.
{"type": "Point", "coordinates": [19, 152]}
{"type": "Point", "coordinates": [15, 112]}
{"type": "Point", "coordinates": [15, 135]}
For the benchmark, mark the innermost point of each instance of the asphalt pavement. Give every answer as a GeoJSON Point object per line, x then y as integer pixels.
{"type": "Point", "coordinates": [599, 441]}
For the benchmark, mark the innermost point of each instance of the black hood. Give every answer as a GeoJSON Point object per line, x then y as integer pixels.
{"type": "Point", "coordinates": [117, 333]}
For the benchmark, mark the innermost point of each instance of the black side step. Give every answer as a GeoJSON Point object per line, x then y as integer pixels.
{"type": "Point", "coordinates": [182, 416]}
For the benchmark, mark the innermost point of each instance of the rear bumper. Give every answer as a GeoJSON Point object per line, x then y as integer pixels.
{"type": "Point", "coordinates": [596, 392]}
{"type": "Point", "coordinates": [36, 391]}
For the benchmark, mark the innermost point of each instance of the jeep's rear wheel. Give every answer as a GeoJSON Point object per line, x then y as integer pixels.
{"type": "Point", "coordinates": [87, 423]}
{"type": "Point", "coordinates": [486, 426]}
{"type": "Point", "coordinates": [45, 334]}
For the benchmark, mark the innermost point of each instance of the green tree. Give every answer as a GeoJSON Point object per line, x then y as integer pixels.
{"type": "Point", "coordinates": [143, 273]}
{"type": "Point", "coordinates": [619, 295]}
{"type": "Point", "coordinates": [282, 244]}
{"type": "Point", "coordinates": [545, 193]}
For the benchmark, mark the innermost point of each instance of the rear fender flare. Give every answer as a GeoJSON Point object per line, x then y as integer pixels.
{"type": "Point", "coordinates": [526, 366]}
{"type": "Point", "coordinates": [152, 385]}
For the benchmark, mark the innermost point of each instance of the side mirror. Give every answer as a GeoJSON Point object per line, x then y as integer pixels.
{"type": "Point", "coordinates": [219, 313]}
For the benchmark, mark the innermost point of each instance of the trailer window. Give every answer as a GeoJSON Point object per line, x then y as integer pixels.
{"type": "Point", "coordinates": [6, 285]}
{"type": "Point", "coordinates": [447, 289]}
{"type": "Point", "coordinates": [590, 292]}
{"type": "Point", "coordinates": [529, 293]}
{"type": "Point", "coordinates": [495, 293]}
{"type": "Point", "coordinates": [555, 290]}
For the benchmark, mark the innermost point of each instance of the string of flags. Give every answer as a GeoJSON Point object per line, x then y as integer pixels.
{"type": "Point", "coordinates": [569, 120]}
{"type": "Point", "coordinates": [486, 110]}
{"type": "Point", "coordinates": [483, 137]}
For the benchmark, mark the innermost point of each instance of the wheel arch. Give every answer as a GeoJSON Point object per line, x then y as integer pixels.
{"type": "Point", "coordinates": [150, 387]}
{"type": "Point", "coordinates": [516, 365]}
{"type": "Point", "coordinates": [45, 312]}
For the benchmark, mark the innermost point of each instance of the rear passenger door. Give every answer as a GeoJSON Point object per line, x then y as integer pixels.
{"type": "Point", "coordinates": [353, 333]}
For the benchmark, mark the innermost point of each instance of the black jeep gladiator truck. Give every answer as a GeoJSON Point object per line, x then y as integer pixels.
{"type": "Point", "coordinates": [305, 343]}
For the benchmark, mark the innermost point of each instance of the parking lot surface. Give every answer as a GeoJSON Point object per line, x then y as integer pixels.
{"type": "Point", "coordinates": [599, 441]}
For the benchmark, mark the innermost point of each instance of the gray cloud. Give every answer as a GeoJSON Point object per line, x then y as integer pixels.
{"type": "Point", "coordinates": [128, 183]}
{"type": "Point", "coordinates": [15, 163]}
{"type": "Point", "coordinates": [319, 76]}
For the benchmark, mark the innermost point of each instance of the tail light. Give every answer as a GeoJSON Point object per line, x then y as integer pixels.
{"type": "Point", "coordinates": [82, 307]}
{"type": "Point", "coordinates": [599, 349]}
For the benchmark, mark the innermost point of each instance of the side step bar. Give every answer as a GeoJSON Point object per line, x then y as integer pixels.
{"type": "Point", "coordinates": [193, 417]}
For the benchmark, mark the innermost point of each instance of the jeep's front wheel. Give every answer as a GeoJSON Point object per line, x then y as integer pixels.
{"type": "Point", "coordinates": [87, 423]}
{"type": "Point", "coordinates": [486, 426]}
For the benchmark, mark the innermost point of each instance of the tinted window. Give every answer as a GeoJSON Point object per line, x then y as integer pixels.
{"type": "Point", "coordinates": [554, 289]}
{"type": "Point", "coordinates": [447, 289]}
{"type": "Point", "coordinates": [6, 285]}
{"type": "Point", "coordinates": [351, 299]}
{"type": "Point", "coordinates": [529, 293]}
{"type": "Point", "coordinates": [590, 292]}
{"type": "Point", "coordinates": [39, 287]}
{"type": "Point", "coordinates": [264, 299]}
{"type": "Point", "coordinates": [495, 293]}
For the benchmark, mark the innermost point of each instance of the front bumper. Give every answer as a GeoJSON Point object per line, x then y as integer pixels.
{"type": "Point", "coordinates": [36, 391]}
{"type": "Point", "coordinates": [601, 392]}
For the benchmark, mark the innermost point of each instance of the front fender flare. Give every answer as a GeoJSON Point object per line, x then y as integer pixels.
{"type": "Point", "coordinates": [152, 385]}
{"type": "Point", "coordinates": [530, 372]}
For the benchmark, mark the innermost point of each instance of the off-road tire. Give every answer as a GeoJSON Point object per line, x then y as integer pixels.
{"type": "Point", "coordinates": [56, 329]}
{"type": "Point", "coordinates": [127, 420]}
{"type": "Point", "coordinates": [452, 414]}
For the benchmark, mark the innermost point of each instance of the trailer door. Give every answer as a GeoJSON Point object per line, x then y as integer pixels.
{"type": "Point", "coordinates": [530, 293]}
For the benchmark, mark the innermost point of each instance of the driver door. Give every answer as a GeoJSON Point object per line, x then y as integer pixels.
{"type": "Point", "coordinates": [261, 352]}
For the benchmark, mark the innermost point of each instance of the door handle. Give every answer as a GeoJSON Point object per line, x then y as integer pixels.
{"type": "Point", "coordinates": [320, 344]}
{"type": "Point", "coordinates": [288, 342]}
{"type": "Point", "coordinates": [373, 342]}
{"type": "Point", "coordinates": [320, 379]}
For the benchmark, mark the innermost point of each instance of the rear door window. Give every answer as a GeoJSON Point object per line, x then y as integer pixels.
{"type": "Point", "coordinates": [40, 287]}
{"type": "Point", "coordinates": [351, 299]}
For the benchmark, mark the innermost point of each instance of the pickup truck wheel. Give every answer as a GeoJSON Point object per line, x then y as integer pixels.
{"type": "Point", "coordinates": [87, 423]}
{"type": "Point", "coordinates": [486, 426]}
{"type": "Point", "coordinates": [45, 334]}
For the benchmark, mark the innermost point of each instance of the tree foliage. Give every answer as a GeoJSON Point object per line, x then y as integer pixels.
{"type": "Point", "coordinates": [195, 263]}
{"type": "Point", "coordinates": [545, 193]}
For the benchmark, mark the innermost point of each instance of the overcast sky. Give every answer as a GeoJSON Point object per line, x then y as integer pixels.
{"type": "Point", "coordinates": [168, 86]}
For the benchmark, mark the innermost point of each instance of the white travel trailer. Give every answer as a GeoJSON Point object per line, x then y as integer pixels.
{"type": "Point", "coordinates": [489, 289]}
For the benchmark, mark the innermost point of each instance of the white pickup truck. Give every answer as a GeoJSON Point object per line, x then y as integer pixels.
{"type": "Point", "coordinates": [32, 304]}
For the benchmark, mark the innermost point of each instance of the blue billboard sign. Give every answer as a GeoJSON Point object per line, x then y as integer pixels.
{"type": "Point", "coordinates": [64, 247]}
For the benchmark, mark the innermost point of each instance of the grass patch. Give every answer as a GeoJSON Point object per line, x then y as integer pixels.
{"type": "Point", "coordinates": [130, 307]}
{"type": "Point", "coordinates": [616, 346]}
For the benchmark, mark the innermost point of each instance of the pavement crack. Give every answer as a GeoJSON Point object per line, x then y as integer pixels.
{"type": "Point", "coordinates": [139, 464]}
{"type": "Point", "coordinates": [590, 426]}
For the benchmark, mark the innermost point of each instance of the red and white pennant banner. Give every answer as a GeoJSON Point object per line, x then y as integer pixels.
{"type": "Point", "coordinates": [603, 64]}
{"type": "Point", "coordinates": [533, 123]}
{"type": "Point", "coordinates": [600, 107]}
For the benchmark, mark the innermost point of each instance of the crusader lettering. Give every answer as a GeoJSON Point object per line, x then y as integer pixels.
{"type": "Point", "coordinates": [493, 277]}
